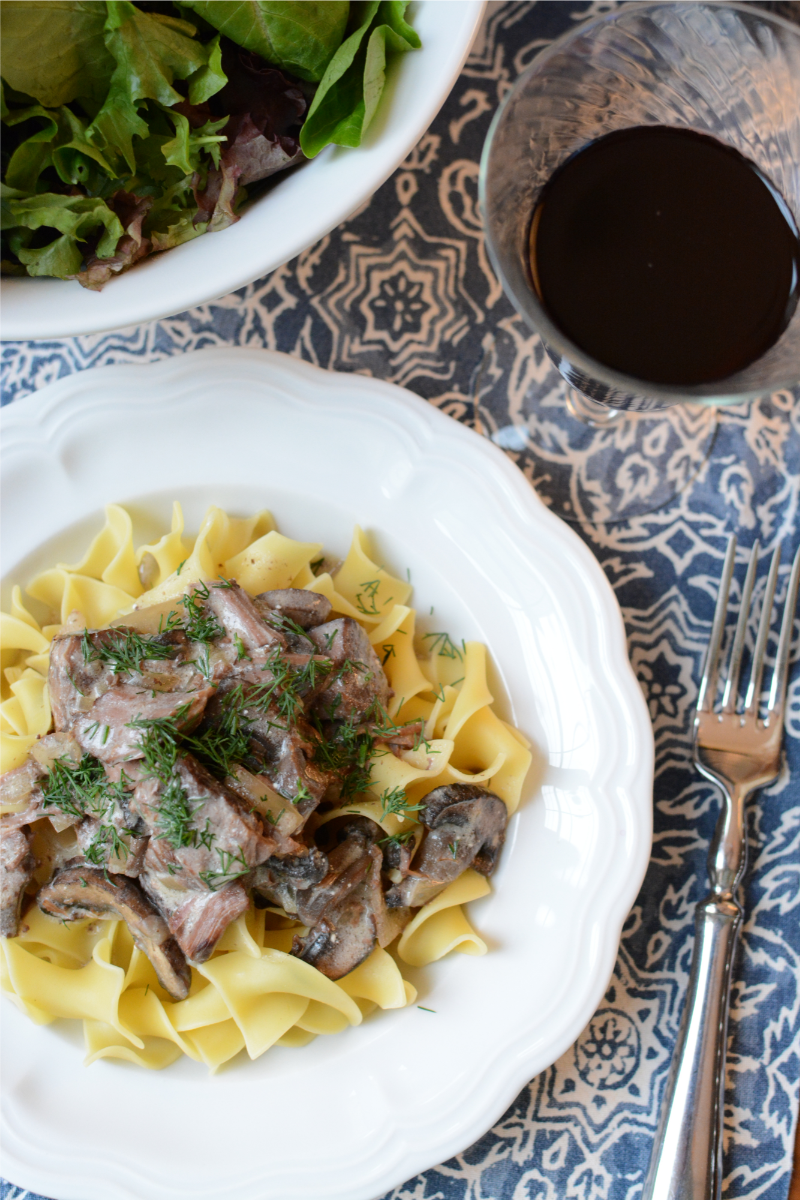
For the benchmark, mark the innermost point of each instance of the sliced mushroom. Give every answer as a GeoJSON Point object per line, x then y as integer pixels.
{"type": "Point", "coordinates": [80, 891]}
{"type": "Point", "coordinates": [17, 866]}
{"type": "Point", "coordinates": [340, 940]}
{"type": "Point", "coordinates": [306, 609]}
{"type": "Point", "coordinates": [197, 917]}
{"type": "Point", "coordinates": [347, 911]}
{"type": "Point", "coordinates": [282, 879]}
{"type": "Point", "coordinates": [465, 828]}
{"type": "Point", "coordinates": [358, 684]}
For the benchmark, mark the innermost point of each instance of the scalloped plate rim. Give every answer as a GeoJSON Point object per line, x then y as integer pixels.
{"type": "Point", "coordinates": [38, 419]}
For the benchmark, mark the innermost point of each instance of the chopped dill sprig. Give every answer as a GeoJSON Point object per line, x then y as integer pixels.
{"type": "Point", "coordinates": [394, 800]}
{"type": "Point", "coordinates": [200, 625]}
{"type": "Point", "coordinates": [286, 625]}
{"type": "Point", "coordinates": [370, 591]}
{"type": "Point", "coordinates": [289, 684]}
{"type": "Point", "coordinates": [443, 645]}
{"type": "Point", "coordinates": [77, 789]}
{"type": "Point", "coordinates": [302, 793]}
{"type": "Point", "coordinates": [124, 649]}
{"type": "Point", "coordinates": [228, 863]}
{"type": "Point", "coordinates": [160, 751]}
{"type": "Point", "coordinates": [397, 839]}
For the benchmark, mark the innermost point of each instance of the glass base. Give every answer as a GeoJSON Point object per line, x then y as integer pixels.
{"type": "Point", "coordinates": [595, 466]}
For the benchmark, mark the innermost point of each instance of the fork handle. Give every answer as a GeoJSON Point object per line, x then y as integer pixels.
{"type": "Point", "coordinates": [686, 1161]}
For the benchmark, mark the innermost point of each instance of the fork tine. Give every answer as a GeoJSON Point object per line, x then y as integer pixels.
{"type": "Point", "coordinates": [777, 692]}
{"type": "Point", "coordinates": [708, 680]}
{"type": "Point", "coordinates": [732, 682]}
{"type": "Point", "coordinates": [751, 706]}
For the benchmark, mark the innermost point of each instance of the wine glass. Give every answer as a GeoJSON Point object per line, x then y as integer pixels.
{"type": "Point", "coordinates": [726, 70]}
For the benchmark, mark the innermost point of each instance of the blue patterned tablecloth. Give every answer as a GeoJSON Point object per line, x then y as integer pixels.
{"type": "Point", "coordinates": [404, 291]}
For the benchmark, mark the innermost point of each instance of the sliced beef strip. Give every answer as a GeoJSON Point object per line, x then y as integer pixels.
{"type": "Point", "coordinates": [81, 891]}
{"type": "Point", "coordinates": [280, 749]}
{"type": "Point", "coordinates": [240, 618]}
{"type": "Point", "coordinates": [109, 730]}
{"type": "Point", "coordinates": [226, 839]}
{"type": "Point", "coordinates": [17, 865]}
{"type": "Point", "coordinates": [358, 684]}
{"type": "Point", "coordinates": [97, 705]}
{"type": "Point", "coordinates": [197, 917]}
{"type": "Point", "coordinates": [306, 609]}
{"type": "Point", "coordinates": [465, 828]}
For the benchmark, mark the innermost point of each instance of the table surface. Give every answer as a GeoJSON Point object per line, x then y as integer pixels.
{"type": "Point", "coordinates": [404, 291]}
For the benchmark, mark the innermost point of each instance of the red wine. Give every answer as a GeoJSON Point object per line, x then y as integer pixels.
{"type": "Point", "coordinates": [665, 255]}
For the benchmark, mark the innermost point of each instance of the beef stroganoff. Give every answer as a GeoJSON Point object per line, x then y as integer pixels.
{"type": "Point", "coordinates": [239, 791]}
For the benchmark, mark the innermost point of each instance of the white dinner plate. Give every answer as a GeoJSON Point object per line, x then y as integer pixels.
{"type": "Point", "coordinates": [297, 211]}
{"type": "Point", "coordinates": [349, 1116]}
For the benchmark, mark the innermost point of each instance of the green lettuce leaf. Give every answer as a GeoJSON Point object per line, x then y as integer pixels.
{"type": "Point", "coordinates": [183, 151]}
{"type": "Point", "coordinates": [54, 50]}
{"type": "Point", "coordinates": [209, 79]}
{"type": "Point", "coordinates": [348, 95]}
{"type": "Point", "coordinates": [300, 36]}
{"type": "Point", "coordinates": [31, 157]}
{"type": "Point", "coordinates": [150, 52]}
{"type": "Point", "coordinates": [75, 217]}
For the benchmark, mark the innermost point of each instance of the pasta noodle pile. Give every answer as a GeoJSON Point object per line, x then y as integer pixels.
{"type": "Point", "coordinates": [252, 993]}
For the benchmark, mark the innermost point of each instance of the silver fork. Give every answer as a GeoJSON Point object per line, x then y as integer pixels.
{"type": "Point", "coordinates": [740, 753]}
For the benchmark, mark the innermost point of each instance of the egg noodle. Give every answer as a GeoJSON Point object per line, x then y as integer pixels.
{"type": "Point", "coordinates": [252, 993]}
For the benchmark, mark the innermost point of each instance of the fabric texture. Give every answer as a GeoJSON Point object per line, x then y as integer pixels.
{"type": "Point", "coordinates": [404, 291]}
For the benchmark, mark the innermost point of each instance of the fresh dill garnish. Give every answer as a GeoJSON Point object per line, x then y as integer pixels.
{"type": "Point", "coordinates": [200, 625]}
{"type": "Point", "coordinates": [289, 684]}
{"type": "Point", "coordinates": [347, 753]}
{"type": "Point", "coordinates": [273, 820]}
{"type": "Point", "coordinates": [74, 684]}
{"type": "Point", "coordinates": [398, 839]}
{"type": "Point", "coordinates": [77, 789]}
{"type": "Point", "coordinates": [159, 747]}
{"type": "Point", "coordinates": [123, 649]}
{"type": "Point", "coordinates": [225, 742]}
{"type": "Point", "coordinates": [83, 881]}
{"type": "Point", "coordinates": [438, 693]}
{"type": "Point", "coordinates": [453, 848]}
{"type": "Point", "coordinates": [241, 652]}
{"type": "Point", "coordinates": [424, 1009]}
{"type": "Point", "coordinates": [181, 566]}
{"type": "Point", "coordinates": [443, 645]}
{"type": "Point", "coordinates": [203, 662]}
{"type": "Point", "coordinates": [388, 652]}
{"type": "Point", "coordinates": [106, 844]}
{"type": "Point", "coordinates": [285, 624]}
{"type": "Point", "coordinates": [228, 862]}
{"type": "Point", "coordinates": [394, 800]}
{"type": "Point", "coordinates": [224, 583]}
{"type": "Point", "coordinates": [302, 793]}
{"type": "Point", "coordinates": [370, 591]}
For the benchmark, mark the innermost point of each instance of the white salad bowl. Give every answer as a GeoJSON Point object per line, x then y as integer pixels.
{"type": "Point", "coordinates": [349, 1116]}
{"type": "Point", "coordinates": [297, 211]}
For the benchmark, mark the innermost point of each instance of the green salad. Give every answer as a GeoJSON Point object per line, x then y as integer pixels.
{"type": "Point", "coordinates": [130, 128]}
